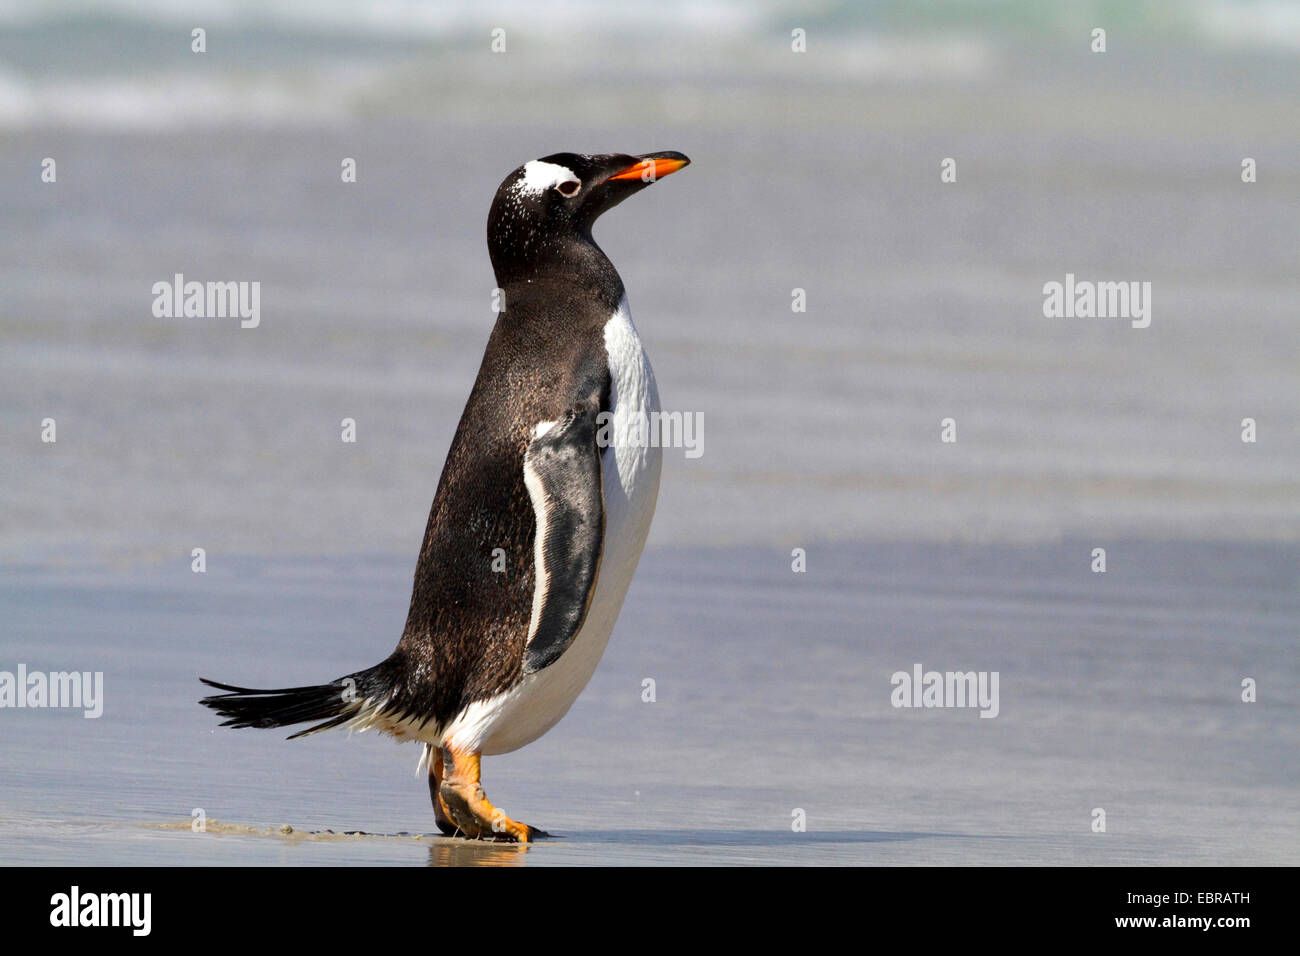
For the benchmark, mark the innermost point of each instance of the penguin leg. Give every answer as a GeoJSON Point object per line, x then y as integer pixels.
{"type": "Point", "coordinates": [467, 805]}
{"type": "Point", "coordinates": [440, 814]}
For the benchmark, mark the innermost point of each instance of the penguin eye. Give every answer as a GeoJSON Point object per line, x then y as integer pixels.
{"type": "Point", "coordinates": [569, 187]}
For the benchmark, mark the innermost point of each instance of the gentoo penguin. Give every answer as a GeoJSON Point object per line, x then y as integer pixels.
{"type": "Point", "coordinates": [551, 464]}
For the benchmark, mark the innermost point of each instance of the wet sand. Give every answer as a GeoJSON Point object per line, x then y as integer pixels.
{"type": "Point", "coordinates": [1118, 691]}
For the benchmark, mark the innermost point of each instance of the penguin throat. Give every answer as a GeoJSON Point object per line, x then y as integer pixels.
{"type": "Point", "coordinates": [577, 261]}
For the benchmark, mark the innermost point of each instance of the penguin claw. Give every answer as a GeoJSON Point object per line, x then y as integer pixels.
{"type": "Point", "coordinates": [462, 809]}
{"type": "Point", "coordinates": [515, 833]}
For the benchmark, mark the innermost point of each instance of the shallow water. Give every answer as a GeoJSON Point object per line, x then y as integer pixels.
{"type": "Point", "coordinates": [772, 694]}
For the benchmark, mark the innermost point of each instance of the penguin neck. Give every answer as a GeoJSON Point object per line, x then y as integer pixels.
{"type": "Point", "coordinates": [578, 264]}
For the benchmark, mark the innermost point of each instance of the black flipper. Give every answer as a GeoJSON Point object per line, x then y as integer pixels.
{"type": "Point", "coordinates": [563, 474]}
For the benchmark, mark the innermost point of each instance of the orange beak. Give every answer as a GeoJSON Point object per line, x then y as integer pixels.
{"type": "Point", "coordinates": [650, 169]}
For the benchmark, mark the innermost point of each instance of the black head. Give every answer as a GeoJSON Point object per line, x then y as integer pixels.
{"type": "Point", "coordinates": [543, 213]}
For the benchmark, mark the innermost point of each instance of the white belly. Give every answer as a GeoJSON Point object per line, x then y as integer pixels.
{"type": "Point", "coordinates": [630, 477]}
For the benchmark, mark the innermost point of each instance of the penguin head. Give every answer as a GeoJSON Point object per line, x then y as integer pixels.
{"type": "Point", "coordinates": [547, 205]}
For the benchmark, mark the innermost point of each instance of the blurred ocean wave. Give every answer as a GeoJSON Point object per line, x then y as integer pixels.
{"type": "Point", "coordinates": [128, 65]}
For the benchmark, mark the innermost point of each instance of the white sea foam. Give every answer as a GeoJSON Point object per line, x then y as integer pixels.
{"type": "Point", "coordinates": [169, 101]}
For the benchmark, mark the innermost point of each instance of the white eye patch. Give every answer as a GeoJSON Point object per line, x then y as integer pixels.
{"type": "Point", "coordinates": [539, 177]}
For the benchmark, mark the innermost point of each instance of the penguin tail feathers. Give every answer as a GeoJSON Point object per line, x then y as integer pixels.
{"type": "Point", "coordinates": [329, 704]}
